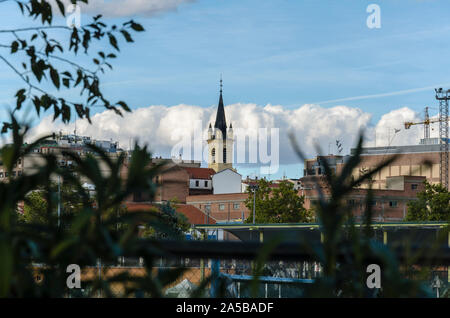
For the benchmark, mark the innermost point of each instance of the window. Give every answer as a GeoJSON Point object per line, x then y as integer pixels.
{"type": "Point", "coordinates": [1, 174]}
{"type": "Point", "coordinates": [19, 173]}
{"type": "Point", "coordinates": [414, 186]}
{"type": "Point", "coordinates": [351, 202]}
{"type": "Point", "coordinates": [213, 155]}
{"type": "Point", "coordinates": [197, 183]}
{"type": "Point", "coordinates": [206, 183]}
{"type": "Point", "coordinates": [207, 208]}
{"type": "Point", "coordinates": [393, 204]}
{"type": "Point", "coordinates": [236, 206]}
{"type": "Point", "coordinates": [224, 155]}
{"type": "Point", "coordinates": [221, 207]}
{"type": "Point", "coordinates": [373, 203]}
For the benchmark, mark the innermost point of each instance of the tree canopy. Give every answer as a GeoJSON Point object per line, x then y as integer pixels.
{"type": "Point", "coordinates": [278, 203]}
{"type": "Point", "coordinates": [432, 204]}
{"type": "Point", "coordinates": [40, 59]}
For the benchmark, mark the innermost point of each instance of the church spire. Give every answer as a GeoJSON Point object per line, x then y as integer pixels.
{"type": "Point", "coordinates": [221, 122]}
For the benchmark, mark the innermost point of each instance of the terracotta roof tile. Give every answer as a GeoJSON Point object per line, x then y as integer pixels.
{"type": "Point", "coordinates": [200, 173]}
{"type": "Point", "coordinates": [194, 215]}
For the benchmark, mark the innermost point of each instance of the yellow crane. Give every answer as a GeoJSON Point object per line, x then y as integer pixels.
{"type": "Point", "coordinates": [427, 121]}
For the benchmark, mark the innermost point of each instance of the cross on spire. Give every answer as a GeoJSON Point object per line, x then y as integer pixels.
{"type": "Point", "coordinates": [221, 122]}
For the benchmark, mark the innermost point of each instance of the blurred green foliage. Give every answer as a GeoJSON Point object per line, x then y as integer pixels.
{"type": "Point", "coordinates": [90, 233]}
{"type": "Point", "coordinates": [175, 224]}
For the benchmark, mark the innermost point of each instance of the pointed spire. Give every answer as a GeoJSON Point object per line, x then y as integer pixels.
{"type": "Point", "coordinates": [221, 122]}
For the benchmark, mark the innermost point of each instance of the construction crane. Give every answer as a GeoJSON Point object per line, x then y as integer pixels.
{"type": "Point", "coordinates": [443, 96]}
{"type": "Point", "coordinates": [427, 121]}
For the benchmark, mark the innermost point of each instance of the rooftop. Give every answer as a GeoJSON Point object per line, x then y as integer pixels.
{"type": "Point", "coordinates": [200, 173]}
{"type": "Point", "coordinates": [398, 149]}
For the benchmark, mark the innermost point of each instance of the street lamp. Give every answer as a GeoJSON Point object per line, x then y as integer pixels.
{"type": "Point", "coordinates": [254, 188]}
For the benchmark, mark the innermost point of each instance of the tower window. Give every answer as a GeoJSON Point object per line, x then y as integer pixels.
{"type": "Point", "coordinates": [213, 155]}
{"type": "Point", "coordinates": [224, 155]}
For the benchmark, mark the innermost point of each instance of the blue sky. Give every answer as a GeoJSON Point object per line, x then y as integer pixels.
{"type": "Point", "coordinates": [283, 52]}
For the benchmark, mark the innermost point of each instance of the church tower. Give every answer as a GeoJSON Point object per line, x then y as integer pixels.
{"type": "Point", "coordinates": [220, 140]}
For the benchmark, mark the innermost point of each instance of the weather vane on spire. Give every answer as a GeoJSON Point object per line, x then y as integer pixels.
{"type": "Point", "coordinates": [221, 85]}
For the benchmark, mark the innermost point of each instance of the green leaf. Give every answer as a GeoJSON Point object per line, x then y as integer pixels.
{"type": "Point", "coordinates": [137, 27]}
{"type": "Point", "coordinates": [61, 7]}
{"type": "Point", "coordinates": [113, 41]}
{"type": "Point", "coordinates": [55, 77]}
{"type": "Point", "coordinates": [14, 47]}
{"type": "Point", "coordinates": [20, 96]}
{"type": "Point", "coordinates": [124, 106]}
{"type": "Point", "coordinates": [127, 36]}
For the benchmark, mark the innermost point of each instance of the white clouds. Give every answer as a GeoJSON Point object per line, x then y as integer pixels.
{"type": "Point", "coordinates": [161, 127]}
{"type": "Point", "coordinates": [123, 8]}
{"type": "Point", "coordinates": [390, 129]}
{"type": "Point", "coordinates": [394, 121]}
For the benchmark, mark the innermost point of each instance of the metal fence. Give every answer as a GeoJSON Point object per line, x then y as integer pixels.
{"type": "Point", "coordinates": [230, 278]}
{"type": "Point", "coordinates": [229, 266]}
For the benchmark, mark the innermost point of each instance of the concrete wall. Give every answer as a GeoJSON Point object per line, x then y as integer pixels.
{"type": "Point", "coordinates": [227, 181]}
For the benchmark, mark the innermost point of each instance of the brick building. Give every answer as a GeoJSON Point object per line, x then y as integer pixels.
{"type": "Point", "coordinates": [394, 186]}
{"type": "Point", "coordinates": [415, 160]}
{"type": "Point", "coordinates": [200, 180]}
{"type": "Point", "coordinates": [228, 207]}
{"type": "Point", "coordinates": [388, 205]}
{"type": "Point", "coordinates": [57, 145]}
{"type": "Point", "coordinates": [176, 181]}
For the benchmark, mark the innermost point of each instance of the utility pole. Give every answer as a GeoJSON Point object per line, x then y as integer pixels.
{"type": "Point", "coordinates": [254, 188]}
